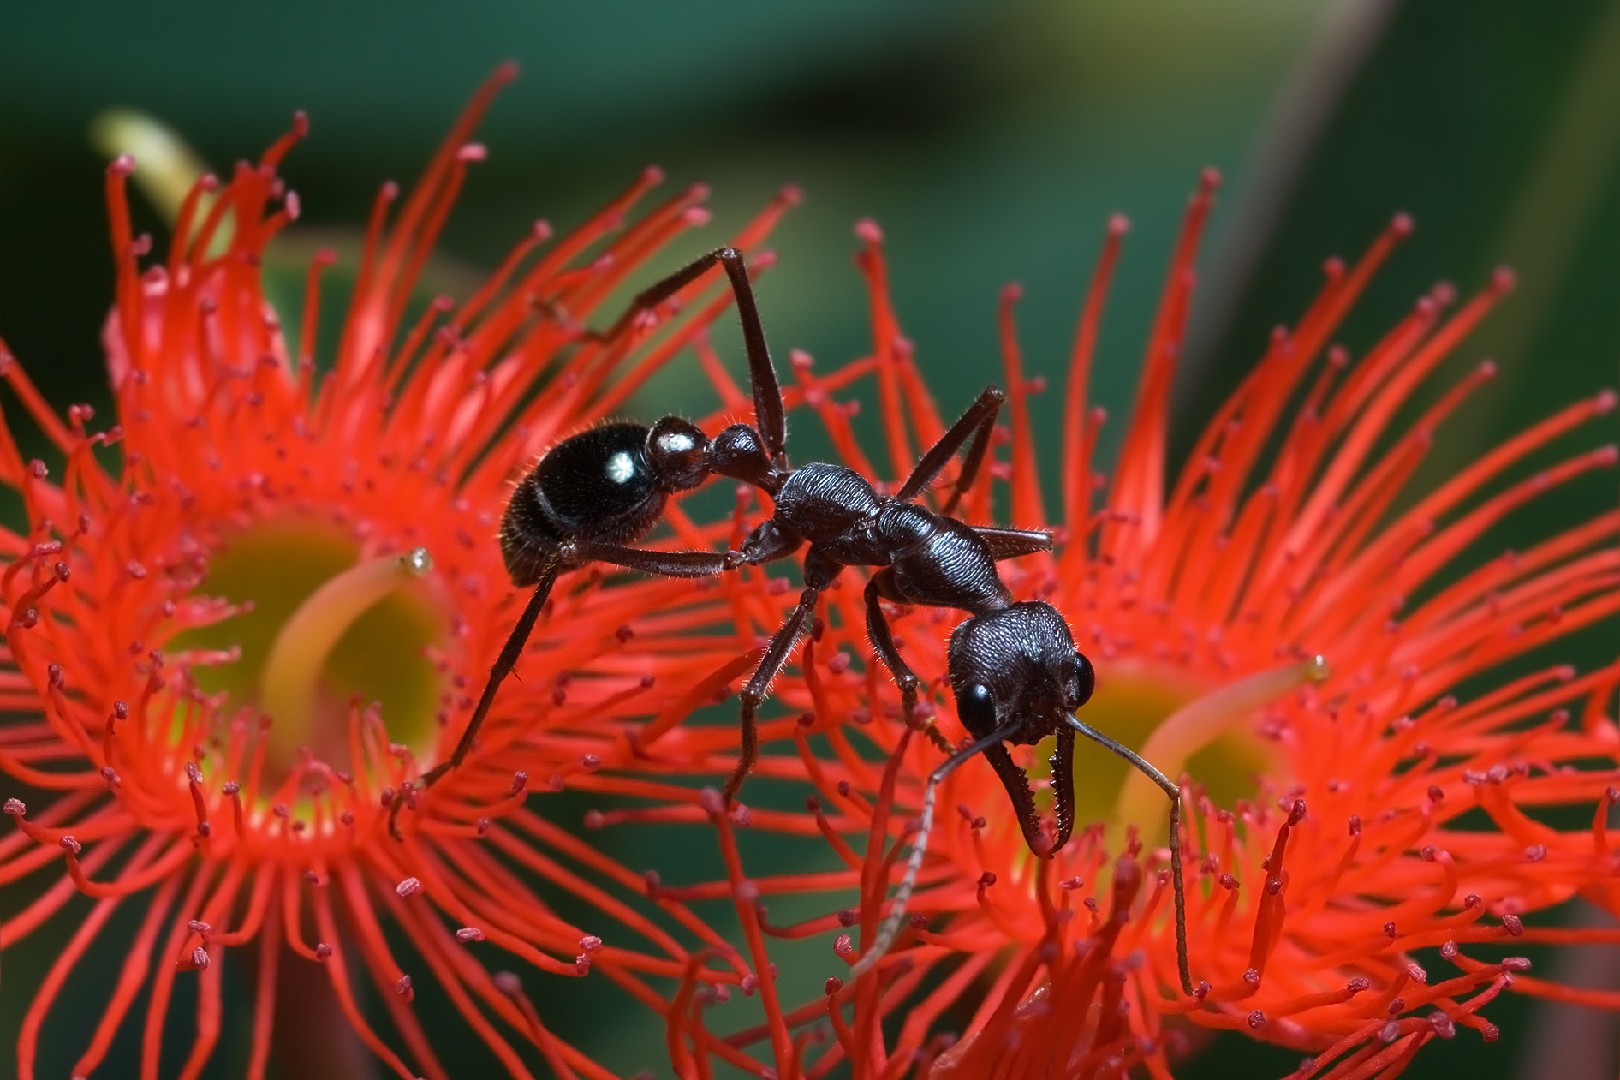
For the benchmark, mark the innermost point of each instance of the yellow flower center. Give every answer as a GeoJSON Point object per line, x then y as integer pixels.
{"type": "Point", "coordinates": [320, 628]}
{"type": "Point", "coordinates": [1183, 726]}
{"type": "Point", "coordinates": [1213, 737]}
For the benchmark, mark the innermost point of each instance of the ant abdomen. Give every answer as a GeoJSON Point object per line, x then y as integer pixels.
{"type": "Point", "coordinates": [598, 483]}
{"type": "Point", "coordinates": [608, 484]}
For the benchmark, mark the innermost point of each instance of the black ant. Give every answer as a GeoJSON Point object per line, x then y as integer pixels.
{"type": "Point", "coordinates": [1014, 669]}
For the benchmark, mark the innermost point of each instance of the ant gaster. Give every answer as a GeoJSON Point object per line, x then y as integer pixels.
{"type": "Point", "coordinates": [1014, 669]}
{"type": "Point", "coordinates": [594, 493]}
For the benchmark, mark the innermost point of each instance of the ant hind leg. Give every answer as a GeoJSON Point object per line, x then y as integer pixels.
{"type": "Point", "coordinates": [504, 663]}
{"type": "Point", "coordinates": [769, 412]}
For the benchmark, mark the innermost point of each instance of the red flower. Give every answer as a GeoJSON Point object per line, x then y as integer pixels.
{"type": "Point", "coordinates": [242, 615]}
{"type": "Point", "coordinates": [1365, 838]}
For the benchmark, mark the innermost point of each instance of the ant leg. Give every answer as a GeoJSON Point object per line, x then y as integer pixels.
{"type": "Point", "coordinates": [769, 413]}
{"type": "Point", "coordinates": [770, 665]}
{"type": "Point", "coordinates": [818, 574]}
{"type": "Point", "coordinates": [974, 459]}
{"type": "Point", "coordinates": [767, 543]}
{"type": "Point", "coordinates": [877, 629]}
{"type": "Point", "coordinates": [504, 663]}
{"type": "Point", "coordinates": [1146, 768]}
{"type": "Point", "coordinates": [658, 292]}
{"type": "Point", "coordinates": [919, 847]}
{"type": "Point", "coordinates": [662, 563]}
{"type": "Point", "coordinates": [975, 424]}
{"type": "Point", "coordinates": [1011, 543]}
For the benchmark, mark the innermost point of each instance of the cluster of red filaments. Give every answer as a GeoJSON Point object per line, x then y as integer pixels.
{"type": "Point", "coordinates": [1337, 818]}
{"type": "Point", "coordinates": [1357, 845]}
{"type": "Point", "coordinates": [232, 810]}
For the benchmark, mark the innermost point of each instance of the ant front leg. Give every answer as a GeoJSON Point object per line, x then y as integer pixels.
{"type": "Point", "coordinates": [877, 629]}
{"type": "Point", "coordinates": [818, 574]}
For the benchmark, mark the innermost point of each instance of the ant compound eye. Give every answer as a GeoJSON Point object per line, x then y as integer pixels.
{"type": "Point", "coordinates": [976, 708]}
{"type": "Point", "coordinates": [1085, 677]}
{"type": "Point", "coordinates": [679, 453]}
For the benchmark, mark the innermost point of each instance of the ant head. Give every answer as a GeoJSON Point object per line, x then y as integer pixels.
{"type": "Point", "coordinates": [679, 454]}
{"type": "Point", "coordinates": [1018, 666]}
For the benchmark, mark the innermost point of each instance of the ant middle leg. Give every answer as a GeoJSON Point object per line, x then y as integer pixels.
{"type": "Point", "coordinates": [818, 574]}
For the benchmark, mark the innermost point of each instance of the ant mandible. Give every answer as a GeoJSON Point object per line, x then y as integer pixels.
{"type": "Point", "coordinates": [1015, 672]}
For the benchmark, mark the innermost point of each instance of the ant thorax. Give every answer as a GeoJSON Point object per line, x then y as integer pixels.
{"type": "Point", "coordinates": [937, 562]}
{"type": "Point", "coordinates": [826, 504]}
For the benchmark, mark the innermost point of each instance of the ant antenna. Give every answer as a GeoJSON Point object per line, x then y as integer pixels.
{"type": "Point", "coordinates": [919, 845]}
{"type": "Point", "coordinates": [1177, 878]}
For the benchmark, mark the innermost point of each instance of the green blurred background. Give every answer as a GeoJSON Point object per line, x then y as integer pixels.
{"type": "Point", "coordinates": [990, 141]}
